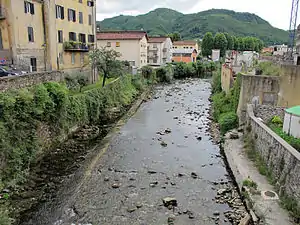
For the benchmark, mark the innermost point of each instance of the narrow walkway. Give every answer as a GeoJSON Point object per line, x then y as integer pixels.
{"type": "Point", "coordinates": [266, 208]}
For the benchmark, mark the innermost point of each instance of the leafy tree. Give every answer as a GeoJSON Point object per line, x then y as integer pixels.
{"type": "Point", "coordinates": [175, 36]}
{"type": "Point", "coordinates": [240, 45]}
{"type": "Point", "coordinates": [249, 43]}
{"type": "Point", "coordinates": [220, 42]}
{"type": "Point", "coordinates": [235, 43]}
{"type": "Point", "coordinates": [207, 44]}
{"type": "Point", "coordinates": [229, 39]}
{"type": "Point", "coordinates": [105, 60]}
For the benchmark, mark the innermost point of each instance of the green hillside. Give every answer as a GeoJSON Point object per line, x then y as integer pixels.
{"type": "Point", "coordinates": [163, 21]}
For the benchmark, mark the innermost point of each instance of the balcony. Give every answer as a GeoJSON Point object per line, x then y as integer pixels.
{"type": "Point", "coordinates": [153, 56]}
{"type": "Point", "coordinates": [2, 13]}
{"type": "Point", "coordinates": [73, 46]}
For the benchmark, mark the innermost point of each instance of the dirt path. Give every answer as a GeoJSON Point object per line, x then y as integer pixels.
{"type": "Point", "coordinates": [164, 150]}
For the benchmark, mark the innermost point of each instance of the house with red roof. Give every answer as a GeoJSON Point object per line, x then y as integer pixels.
{"type": "Point", "coordinates": [131, 44]}
{"type": "Point", "coordinates": [159, 51]}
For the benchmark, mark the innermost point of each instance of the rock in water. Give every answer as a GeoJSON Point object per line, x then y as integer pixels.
{"type": "Point", "coordinates": [168, 131]}
{"type": "Point", "coordinates": [164, 144]}
{"type": "Point", "coordinates": [115, 185]}
{"type": "Point", "coordinates": [194, 175]}
{"type": "Point", "coordinates": [168, 201]}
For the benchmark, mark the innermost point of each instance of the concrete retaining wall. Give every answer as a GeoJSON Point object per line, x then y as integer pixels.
{"type": "Point", "coordinates": [265, 87]}
{"type": "Point", "coordinates": [281, 159]}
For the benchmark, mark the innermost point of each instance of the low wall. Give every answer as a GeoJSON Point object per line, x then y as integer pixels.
{"type": "Point", "coordinates": [265, 87]}
{"type": "Point", "coordinates": [30, 79]}
{"type": "Point", "coordinates": [281, 159]}
{"type": "Point", "coordinates": [226, 78]}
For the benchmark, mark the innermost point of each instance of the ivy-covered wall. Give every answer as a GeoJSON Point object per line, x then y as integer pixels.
{"type": "Point", "coordinates": [35, 118]}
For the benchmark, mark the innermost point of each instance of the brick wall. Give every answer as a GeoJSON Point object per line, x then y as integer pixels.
{"type": "Point", "coordinates": [281, 159]}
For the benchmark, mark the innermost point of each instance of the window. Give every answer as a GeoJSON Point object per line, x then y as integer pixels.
{"type": "Point", "coordinates": [1, 42]}
{"type": "Point", "coordinates": [118, 44]}
{"type": "Point", "coordinates": [33, 66]}
{"type": "Point", "coordinates": [73, 58]}
{"type": "Point", "coordinates": [81, 57]}
{"type": "Point", "coordinates": [80, 1]}
{"type": "Point", "coordinates": [71, 15]}
{"type": "Point", "coordinates": [72, 36]}
{"type": "Point", "coordinates": [30, 34]}
{"type": "Point", "coordinates": [90, 3]}
{"type": "Point", "coordinates": [108, 44]}
{"type": "Point", "coordinates": [60, 36]}
{"type": "Point", "coordinates": [81, 38]}
{"type": "Point", "coordinates": [29, 7]}
{"type": "Point", "coordinates": [80, 18]}
{"type": "Point", "coordinates": [91, 38]}
{"type": "Point", "coordinates": [60, 12]}
{"type": "Point", "coordinates": [90, 19]}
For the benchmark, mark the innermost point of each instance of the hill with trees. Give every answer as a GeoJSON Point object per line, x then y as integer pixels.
{"type": "Point", "coordinates": [163, 21]}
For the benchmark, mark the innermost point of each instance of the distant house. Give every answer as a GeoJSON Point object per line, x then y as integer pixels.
{"type": "Point", "coordinates": [291, 124]}
{"type": "Point", "coordinates": [131, 44]}
{"type": "Point", "coordinates": [185, 45]}
{"type": "Point", "coordinates": [185, 51]}
{"type": "Point", "coordinates": [159, 50]}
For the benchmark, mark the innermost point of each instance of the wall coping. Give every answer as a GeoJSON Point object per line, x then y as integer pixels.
{"type": "Point", "coordinates": [286, 145]}
{"type": "Point", "coordinates": [263, 76]}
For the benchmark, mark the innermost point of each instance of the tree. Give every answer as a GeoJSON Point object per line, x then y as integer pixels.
{"type": "Point", "coordinates": [240, 45]}
{"type": "Point", "coordinates": [235, 43]}
{"type": "Point", "coordinates": [220, 42]}
{"type": "Point", "coordinates": [105, 60]}
{"type": "Point", "coordinates": [175, 36]}
{"type": "Point", "coordinates": [229, 39]}
{"type": "Point", "coordinates": [207, 44]}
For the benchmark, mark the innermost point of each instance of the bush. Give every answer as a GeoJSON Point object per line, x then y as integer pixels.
{"type": "Point", "coordinates": [228, 121]}
{"type": "Point", "coordinates": [147, 72]}
{"type": "Point", "coordinates": [164, 74]}
{"type": "Point", "coordinates": [269, 68]}
{"type": "Point", "coordinates": [216, 82]}
{"type": "Point", "coordinates": [277, 120]}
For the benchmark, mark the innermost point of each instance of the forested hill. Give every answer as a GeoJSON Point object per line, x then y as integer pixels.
{"type": "Point", "coordinates": [163, 21]}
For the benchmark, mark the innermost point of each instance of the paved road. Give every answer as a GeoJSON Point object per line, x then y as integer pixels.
{"type": "Point", "coordinates": [150, 158]}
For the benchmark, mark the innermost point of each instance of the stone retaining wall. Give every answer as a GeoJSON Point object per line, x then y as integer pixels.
{"type": "Point", "coordinates": [281, 159]}
{"type": "Point", "coordinates": [267, 112]}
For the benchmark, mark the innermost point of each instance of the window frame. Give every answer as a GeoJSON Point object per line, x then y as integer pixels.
{"type": "Point", "coordinates": [80, 17]}
{"type": "Point", "coordinates": [30, 32]}
{"type": "Point", "coordinates": [60, 37]}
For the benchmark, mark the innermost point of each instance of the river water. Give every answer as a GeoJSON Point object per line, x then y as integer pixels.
{"type": "Point", "coordinates": [151, 157]}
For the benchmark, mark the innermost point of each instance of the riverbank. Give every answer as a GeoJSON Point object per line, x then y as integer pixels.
{"type": "Point", "coordinates": [60, 160]}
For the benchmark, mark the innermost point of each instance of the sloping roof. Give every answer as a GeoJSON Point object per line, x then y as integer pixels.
{"type": "Point", "coordinates": [294, 110]}
{"type": "Point", "coordinates": [121, 35]}
{"type": "Point", "coordinates": [183, 50]}
{"type": "Point", "coordinates": [157, 39]}
{"type": "Point", "coordinates": [184, 42]}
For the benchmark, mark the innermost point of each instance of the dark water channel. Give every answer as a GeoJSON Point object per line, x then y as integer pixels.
{"type": "Point", "coordinates": [150, 158]}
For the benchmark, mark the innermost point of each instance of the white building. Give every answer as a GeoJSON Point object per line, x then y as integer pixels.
{"type": "Point", "coordinates": [291, 124]}
{"type": "Point", "coordinates": [159, 51]}
{"type": "Point", "coordinates": [280, 50]}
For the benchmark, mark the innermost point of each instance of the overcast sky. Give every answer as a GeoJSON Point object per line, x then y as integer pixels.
{"type": "Point", "coordinates": [277, 12]}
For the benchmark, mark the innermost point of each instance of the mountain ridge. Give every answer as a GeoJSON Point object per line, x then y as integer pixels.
{"type": "Point", "coordinates": [162, 21]}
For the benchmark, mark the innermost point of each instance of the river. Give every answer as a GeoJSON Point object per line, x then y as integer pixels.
{"type": "Point", "coordinates": [164, 150]}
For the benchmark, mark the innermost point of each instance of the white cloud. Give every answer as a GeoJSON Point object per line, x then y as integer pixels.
{"type": "Point", "coordinates": [277, 12]}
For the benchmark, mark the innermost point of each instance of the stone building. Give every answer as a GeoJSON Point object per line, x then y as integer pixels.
{"type": "Point", "coordinates": [44, 35]}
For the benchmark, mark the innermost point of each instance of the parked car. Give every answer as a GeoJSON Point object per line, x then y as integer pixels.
{"type": "Point", "coordinates": [4, 72]}
{"type": "Point", "coordinates": [10, 71]}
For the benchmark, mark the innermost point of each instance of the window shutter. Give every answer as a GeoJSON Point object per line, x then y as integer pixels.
{"type": "Point", "coordinates": [25, 7]}
{"type": "Point", "coordinates": [32, 8]}
{"type": "Point", "coordinates": [56, 9]}
{"type": "Point", "coordinates": [74, 14]}
{"type": "Point", "coordinates": [69, 14]}
{"type": "Point", "coordinates": [62, 12]}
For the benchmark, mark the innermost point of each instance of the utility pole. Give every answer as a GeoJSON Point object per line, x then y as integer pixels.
{"type": "Point", "coordinates": [293, 25]}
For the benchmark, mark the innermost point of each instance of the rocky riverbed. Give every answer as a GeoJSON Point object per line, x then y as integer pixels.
{"type": "Point", "coordinates": [161, 167]}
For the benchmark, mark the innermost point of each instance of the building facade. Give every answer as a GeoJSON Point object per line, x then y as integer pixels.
{"type": "Point", "coordinates": [159, 51]}
{"type": "Point", "coordinates": [186, 45]}
{"type": "Point", "coordinates": [185, 51]}
{"type": "Point", "coordinates": [132, 45]}
{"type": "Point", "coordinates": [47, 35]}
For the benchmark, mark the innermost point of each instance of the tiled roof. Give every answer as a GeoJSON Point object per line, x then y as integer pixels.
{"type": "Point", "coordinates": [184, 42]}
{"type": "Point", "coordinates": [157, 39]}
{"type": "Point", "coordinates": [121, 35]}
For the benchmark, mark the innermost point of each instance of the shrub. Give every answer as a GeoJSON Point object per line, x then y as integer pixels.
{"type": "Point", "coordinates": [216, 82]}
{"type": "Point", "coordinates": [277, 120]}
{"type": "Point", "coordinates": [250, 183]}
{"type": "Point", "coordinates": [164, 74]}
{"type": "Point", "coordinates": [147, 72]}
{"type": "Point", "coordinates": [228, 121]}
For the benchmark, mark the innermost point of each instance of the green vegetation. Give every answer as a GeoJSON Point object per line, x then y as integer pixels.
{"type": "Point", "coordinates": [207, 44]}
{"type": "Point", "coordinates": [250, 183]}
{"type": "Point", "coordinates": [51, 104]}
{"type": "Point", "coordinates": [276, 125]}
{"type": "Point", "coordinates": [194, 26]}
{"type": "Point", "coordinates": [225, 105]}
{"type": "Point", "coordinates": [220, 42]}
{"type": "Point", "coordinates": [269, 68]}
{"type": "Point", "coordinates": [291, 205]}
{"type": "Point", "coordinates": [195, 69]}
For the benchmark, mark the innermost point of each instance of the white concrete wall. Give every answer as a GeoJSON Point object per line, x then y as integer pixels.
{"type": "Point", "coordinates": [291, 125]}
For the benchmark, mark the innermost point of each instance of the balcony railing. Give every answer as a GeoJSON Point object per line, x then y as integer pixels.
{"type": "Point", "coordinates": [76, 46]}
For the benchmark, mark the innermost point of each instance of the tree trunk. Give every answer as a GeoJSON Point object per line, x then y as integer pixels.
{"type": "Point", "coordinates": [104, 79]}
